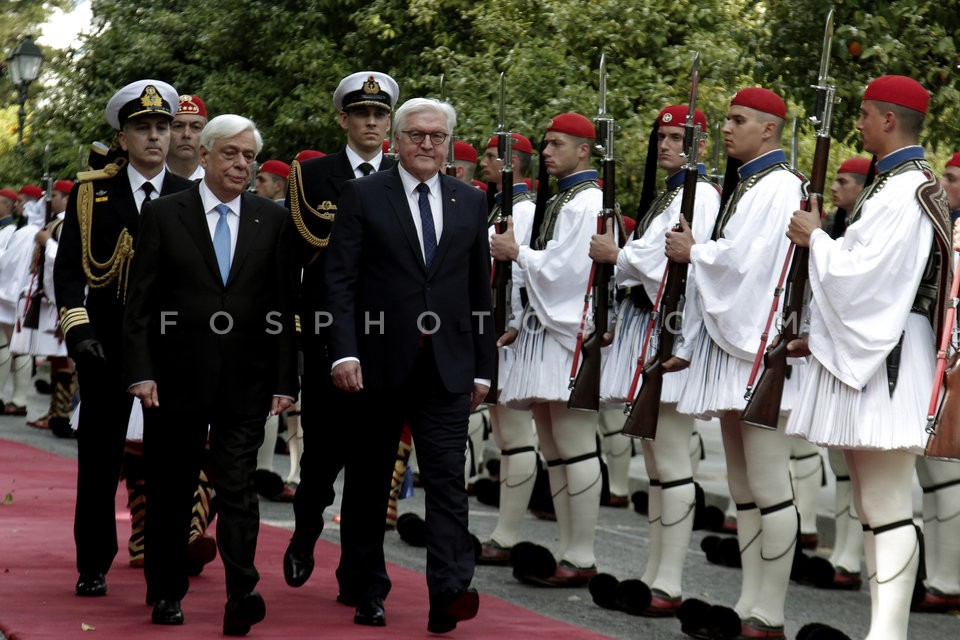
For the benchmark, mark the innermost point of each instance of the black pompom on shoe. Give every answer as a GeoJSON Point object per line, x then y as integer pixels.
{"type": "Point", "coordinates": [412, 529]}
{"type": "Point", "coordinates": [531, 560]}
{"type": "Point", "coordinates": [695, 619]}
{"type": "Point", "coordinates": [602, 589]}
{"type": "Point", "coordinates": [487, 492]}
{"type": "Point", "coordinates": [633, 597]}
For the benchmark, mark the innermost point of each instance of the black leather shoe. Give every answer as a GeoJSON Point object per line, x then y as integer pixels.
{"type": "Point", "coordinates": [450, 607]}
{"type": "Point", "coordinates": [370, 612]}
{"type": "Point", "coordinates": [92, 585]}
{"type": "Point", "coordinates": [167, 612]}
{"type": "Point", "coordinates": [242, 612]}
{"type": "Point", "coordinates": [347, 599]}
{"type": "Point", "coordinates": [297, 565]}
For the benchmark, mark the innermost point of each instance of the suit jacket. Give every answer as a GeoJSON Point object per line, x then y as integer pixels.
{"type": "Point", "coordinates": [318, 191]}
{"type": "Point", "coordinates": [375, 274]}
{"type": "Point", "coordinates": [175, 271]}
{"type": "Point", "coordinates": [114, 209]}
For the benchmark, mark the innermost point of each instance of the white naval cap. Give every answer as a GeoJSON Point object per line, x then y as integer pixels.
{"type": "Point", "coordinates": [366, 88]}
{"type": "Point", "coordinates": [141, 98]}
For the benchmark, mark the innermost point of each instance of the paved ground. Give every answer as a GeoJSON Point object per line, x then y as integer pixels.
{"type": "Point", "coordinates": [621, 543]}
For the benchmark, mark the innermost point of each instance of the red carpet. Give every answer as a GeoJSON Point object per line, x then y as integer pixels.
{"type": "Point", "coordinates": [37, 575]}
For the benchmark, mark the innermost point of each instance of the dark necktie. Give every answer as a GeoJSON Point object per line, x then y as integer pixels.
{"type": "Point", "coordinates": [426, 219]}
{"type": "Point", "coordinates": [366, 168]}
{"type": "Point", "coordinates": [147, 191]}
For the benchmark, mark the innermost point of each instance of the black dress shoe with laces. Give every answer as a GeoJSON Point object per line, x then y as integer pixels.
{"type": "Point", "coordinates": [297, 564]}
{"type": "Point", "coordinates": [370, 612]}
{"type": "Point", "coordinates": [92, 585]}
{"type": "Point", "coordinates": [242, 612]}
{"type": "Point", "coordinates": [167, 612]}
{"type": "Point", "coordinates": [449, 607]}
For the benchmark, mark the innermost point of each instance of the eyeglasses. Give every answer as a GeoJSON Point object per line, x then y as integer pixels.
{"type": "Point", "coordinates": [417, 137]}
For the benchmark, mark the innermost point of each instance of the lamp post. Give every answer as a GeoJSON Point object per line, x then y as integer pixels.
{"type": "Point", "coordinates": [24, 67]}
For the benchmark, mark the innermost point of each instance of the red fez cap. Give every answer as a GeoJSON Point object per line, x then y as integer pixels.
{"type": "Point", "coordinates": [629, 224]}
{"type": "Point", "coordinates": [855, 165]}
{"type": "Point", "coordinates": [762, 100]}
{"type": "Point", "coordinates": [276, 167]}
{"type": "Point", "coordinates": [63, 186]}
{"type": "Point", "coordinates": [900, 90]}
{"type": "Point", "coordinates": [307, 154]}
{"type": "Point", "coordinates": [191, 106]}
{"type": "Point", "coordinates": [31, 191]}
{"type": "Point", "coordinates": [520, 143]}
{"type": "Point", "coordinates": [386, 145]}
{"type": "Point", "coordinates": [676, 116]}
{"type": "Point", "coordinates": [573, 124]}
{"type": "Point", "coordinates": [9, 194]}
{"type": "Point", "coordinates": [464, 151]}
{"type": "Point", "coordinates": [480, 185]}
{"type": "Point", "coordinates": [954, 160]}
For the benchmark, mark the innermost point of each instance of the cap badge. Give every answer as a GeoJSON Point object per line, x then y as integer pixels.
{"type": "Point", "coordinates": [371, 86]}
{"type": "Point", "coordinates": [150, 97]}
{"type": "Point", "coordinates": [667, 117]}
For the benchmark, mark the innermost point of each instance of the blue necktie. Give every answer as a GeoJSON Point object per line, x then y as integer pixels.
{"type": "Point", "coordinates": [221, 241]}
{"type": "Point", "coordinates": [426, 219]}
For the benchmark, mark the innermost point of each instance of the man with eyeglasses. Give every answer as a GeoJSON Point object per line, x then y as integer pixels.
{"type": "Point", "coordinates": [408, 288]}
{"type": "Point", "coordinates": [364, 101]}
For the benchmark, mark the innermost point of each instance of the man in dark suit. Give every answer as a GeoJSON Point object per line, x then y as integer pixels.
{"type": "Point", "coordinates": [408, 288]}
{"type": "Point", "coordinates": [96, 244]}
{"type": "Point", "coordinates": [364, 100]}
{"type": "Point", "coordinates": [209, 330]}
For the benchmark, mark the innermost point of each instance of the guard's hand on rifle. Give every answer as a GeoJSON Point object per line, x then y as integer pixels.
{"type": "Point", "coordinates": [603, 247]}
{"type": "Point", "coordinates": [507, 338]}
{"type": "Point", "coordinates": [606, 339]}
{"type": "Point", "coordinates": [804, 223]}
{"type": "Point", "coordinates": [798, 348]}
{"type": "Point", "coordinates": [503, 246]}
{"type": "Point", "coordinates": [675, 363]}
{"type": "Point", "coordinates": [42, 236]}
{"type": "Point", "coordinates": [679, 243]}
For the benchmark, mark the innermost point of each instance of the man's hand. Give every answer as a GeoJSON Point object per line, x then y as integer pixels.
{"type": "Point", "coordinates": [480, 392]}
{"type": "Point", "coordinates": [91, 348]}
{"type": "Point", "coordinates": [503, 246]}
{"type": "Point", "coordinates": [347, 376]}
{"type": "Point", "coordinates": [42, 236]}
{"type": "Point", "coordinates": [804, 223]}
{"type": "Point", "coordinates": [675, 363]}
{"type": "Point", "coordinates": [507, 338]}
{"type": "Point", "coordinates": [603, 247]}
{"type": "Point", "coordinates": [280, 404]}
{"type": "Point", "coordinates": [679, 243]}
{"type": "Point", "coordinates": [798, 348]}
{"type": "Point", "coordinates": [147, 392]}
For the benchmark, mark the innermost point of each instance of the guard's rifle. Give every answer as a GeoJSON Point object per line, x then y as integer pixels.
{"type": "Point", "coordinates": [716, 173]}
{"type": "Point", "coordinates": [794, 144]}
{"type": "Point", "coordinates": [47, 185]}
{"type": "Point", "coordinates": [585, 381]}
{"type": "Point", "coordinates": [763, 400]}
{"type": "Point", "coordinates": [943, 415]}
{"type": "Point", "coordinates": [502, 272]}
{"type": "Point", "coordinates": [644, 412]}
{"type": "Point", "coordinates": [450, 168]}
{"type": "Point", "coordinates": [31, 311]}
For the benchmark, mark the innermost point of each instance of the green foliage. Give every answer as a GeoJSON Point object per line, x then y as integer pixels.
{"type": "Point", "coordinates": [278, 62]}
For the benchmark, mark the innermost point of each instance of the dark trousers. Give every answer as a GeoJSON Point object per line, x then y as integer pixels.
{"type": "Point", "coordinates": [174, 449]}
{"type": "Point", "coordinates": [438, 421]}
{"type": "Point", "coordinates": [104, 414]}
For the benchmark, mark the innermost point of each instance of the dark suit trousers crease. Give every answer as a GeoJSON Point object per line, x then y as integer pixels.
{"type": "Point", "coordinates": [174, 446]}
{"type": "Point", "coordinates": [101, 434]}
{"type": "Point", "coordinates": [438, 422]}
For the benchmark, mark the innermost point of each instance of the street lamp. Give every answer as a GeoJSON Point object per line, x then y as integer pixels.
{"type": "Point", "coordinates": [24, 67]}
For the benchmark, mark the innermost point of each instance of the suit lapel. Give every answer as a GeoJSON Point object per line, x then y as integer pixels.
{"type": "Point", "coordinates": [194, 219]}
{"type": "Point", "coordinates": [401, 207]}
{"type": "Point", "coordinates": [247, 235]}
{"type": "Point", "coordinates": [125, 203]}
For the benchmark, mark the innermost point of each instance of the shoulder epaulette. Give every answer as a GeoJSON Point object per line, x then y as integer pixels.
{"type": "Point", "coordinates": [298, 203]}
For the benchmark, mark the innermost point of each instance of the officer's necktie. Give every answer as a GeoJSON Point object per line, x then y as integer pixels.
{"type": "Point", "coordinates": [221, 241]}
{"type": "Point", "coordinates": [366, 168]}
{"type": "Point", "coordinates": [147, 192]}
{"type": "Point", "coordinates": [426, 219]}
